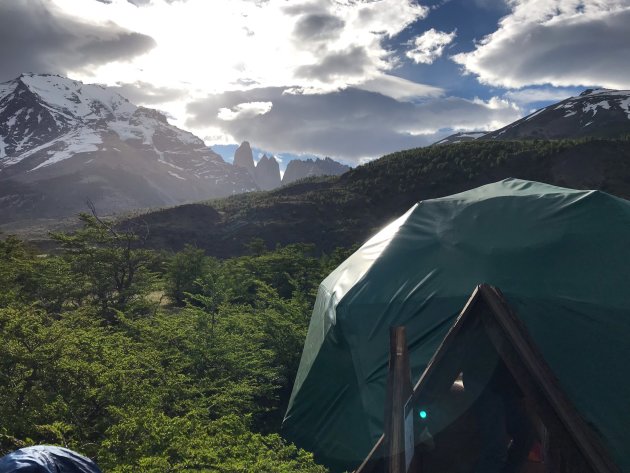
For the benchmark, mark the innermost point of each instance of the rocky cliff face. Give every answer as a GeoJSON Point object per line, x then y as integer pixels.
{"type": "Point", "coordinates": [267, 173]}
{"type": "Point", "coordinates": [297, 169]}
{"type": "Point", "coordinates": [63, 142]}
{"type": "Point", "coordinates": [244, 158]}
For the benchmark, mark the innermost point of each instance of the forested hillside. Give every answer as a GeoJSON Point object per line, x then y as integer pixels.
{"type": "Point", "coordinates": [153, 361]}
{"type": "Point", "coordinates": [134, 344]}
{"type": "Point", "coordinates": [342, 211]}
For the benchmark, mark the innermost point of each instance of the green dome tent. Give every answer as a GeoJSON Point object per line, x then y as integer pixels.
{"type": "Point", "coordinates": [561, 258]}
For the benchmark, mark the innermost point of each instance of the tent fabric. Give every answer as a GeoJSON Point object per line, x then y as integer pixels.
{"type": "Point", "coordinates": [46, 459]}
{"type": "Point", "coordinates": [560, 257]}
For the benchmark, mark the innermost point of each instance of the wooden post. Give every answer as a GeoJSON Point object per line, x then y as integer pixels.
{"type": "Point", "coordinates": [398, 392]}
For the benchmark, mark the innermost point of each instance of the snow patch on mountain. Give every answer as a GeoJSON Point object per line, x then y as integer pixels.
{"type": "Point", "coordinates": [6, 88]}
{"type": "Point", "coordinates": [70, 97]}
{"type": "Point", "coordinates": [81, 141]}
{"type": "Point", "coordinates": [461, 137]}
{"type": "Point", "coordinates": [529, 117]}
{"type": "Point", "coordinates": [610, 99]}
{"type": "Point", "coordinates": [595, 112]}
{"type": "Point", "coordinates": [174, 174]}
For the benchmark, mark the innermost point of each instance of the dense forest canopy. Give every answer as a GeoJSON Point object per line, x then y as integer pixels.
{"type": "Point", "coordinates": [153, 361]}
{"type": "Point", "coordinates": [333, 212]}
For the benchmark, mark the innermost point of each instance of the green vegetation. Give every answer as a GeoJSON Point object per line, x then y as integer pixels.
{"type": "Point", "coordinates": [154, 362]}
{"type": "Point", "coordinates": [158, 361]}
{"type": "Point", "coordinates": [333, 212]}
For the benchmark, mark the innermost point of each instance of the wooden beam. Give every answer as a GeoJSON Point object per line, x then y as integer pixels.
{"type": "Point", "coordinates": [521, 354]}
{"type": "Point", "coordinates": [374, 461]}
{"type": "Point", "coordinates": [398, 392]}
{"type": "Point", "coordinates": [426, 385]}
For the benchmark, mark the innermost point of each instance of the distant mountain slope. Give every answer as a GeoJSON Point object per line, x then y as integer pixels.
{"type": "Point", "coordinates": [62, 142]}
{"type": "Point", "coordinates": [298, 169]}
{"type": "Point", "coordinates": [595, 112]}
{"type": "Point", "coordinates": [343, 211]}
{"type": "Point", "coordinates": [461, 137]}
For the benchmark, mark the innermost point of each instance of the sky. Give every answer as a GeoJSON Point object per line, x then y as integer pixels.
{"type": "Point", "coordinates": [349, 79]}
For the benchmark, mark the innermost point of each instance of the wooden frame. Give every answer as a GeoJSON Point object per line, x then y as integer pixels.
{"type": "Point", "coordinates": [573, 446]}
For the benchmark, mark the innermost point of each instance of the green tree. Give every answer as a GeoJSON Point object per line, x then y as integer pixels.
{"type": "Point", "coordinates": [183, 270]}
{"type": "Point", "coordinates": [112, 271]}
{"type": "Point", "coordinates": [16, 263]}
{"type": "Point", "coordinates": [201, 387]}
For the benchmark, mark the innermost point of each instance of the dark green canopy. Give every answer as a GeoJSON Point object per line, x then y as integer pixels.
{"type": "Point", "coordinates": [561, 257]}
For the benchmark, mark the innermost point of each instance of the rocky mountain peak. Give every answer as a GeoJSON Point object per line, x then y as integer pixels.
{"type": "Point", "coordinates": [244, 158]}
{"type": "Point", "coordinates": [150, 113]}
{"type": "Point", "coordinates": [267, 174]}
{"type": "Point", "coordinates": [594, 91]}
{"type": "Point", "coordinates": [62, 141]}
{"type": "Point", "coordinates": [74, 100]}
{"type": "Point", "coordinates": [595, 112]}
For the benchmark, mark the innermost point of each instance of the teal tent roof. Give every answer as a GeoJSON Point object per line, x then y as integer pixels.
{"type": "Point", "coordinates": [561, 258]}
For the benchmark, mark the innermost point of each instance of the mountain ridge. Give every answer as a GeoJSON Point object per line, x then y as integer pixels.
{"type": "Point", "coordinates": [266, 172]}
{"type": "Point", "coordinates": [301, 169]}
{"type": "Point", "coordinates": [594, 112]}
{"type": "Point", "coordinates": [342, 211]}
{"type": "Point", "coordinates": [63, 142]}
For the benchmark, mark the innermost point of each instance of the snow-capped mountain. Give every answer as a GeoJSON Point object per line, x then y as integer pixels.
{"type": "Point", "coordinates": [595, 112]}
{"type": "Point", "coordinates": [62, 142]}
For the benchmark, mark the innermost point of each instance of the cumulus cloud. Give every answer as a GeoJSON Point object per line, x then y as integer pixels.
{"type": "Point", "coordinates": [302, 47]}
{"type": "Point", "coordinates": [349, 124]}
{"type": "Point", "coordinates": [141, 3]}
{"type": "Point", "coordinates": [558, 42]}
{"type": "Point", "coordinates": [343, 64]}
{"type": "Point", "coordinates": [386, 17]}
{"type": "Point", "coordinates": [145, 93]}
{"type": "Point", "coordinates": [545, 94]}
{"type": "Point", "coordinates": [318, 27]}
{"type": "Point", "coordinates": [430, 45]}
{"type": "Point", "coordinates": [37, 37]}
{"type": "Point", "coordinates": [244, 110]}
{"type": "Point", "coordinates": [324, 44]}
{"type": "Point", "coordinates": [399, 88]}
{"type": "Point", "coordinates": [498, 5]}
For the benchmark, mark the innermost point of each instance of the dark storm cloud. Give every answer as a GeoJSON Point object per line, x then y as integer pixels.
{"type": "Point", "coordinates": [349, 124]}
{"type": "Point", "coordinates": [318, 26]}
{"type": "Point", "coordinates": [353, 62]}
{"type": "Point", "coordinates": [144, 93]}
{"type": "Point", "coordinates": [35, 37]}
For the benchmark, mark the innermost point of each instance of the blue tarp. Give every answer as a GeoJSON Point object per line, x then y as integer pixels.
{"type": "Point", "coordinates": [46, 459]}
